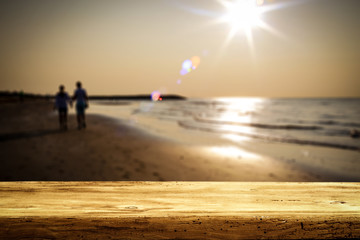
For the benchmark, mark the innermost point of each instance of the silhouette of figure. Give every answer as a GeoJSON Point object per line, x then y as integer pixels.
{"type": "Point", "coordinates": [81, 104]}
{"type": "Point", "coordinates": [61, 101]}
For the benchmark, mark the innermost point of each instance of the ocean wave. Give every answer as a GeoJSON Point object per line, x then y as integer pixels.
{"type": "Point", "coordinates": [260, 125]}
{"type": "Point", "coordinates": [338, 123]}
{"type": "Point", "coordinates": [113, 103]}
{"type": "Point", "coordinates": [191, 126]}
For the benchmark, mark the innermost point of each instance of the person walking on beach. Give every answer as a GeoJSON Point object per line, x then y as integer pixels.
{"type": "Point", "coordinates": [62, 99]}
{"type": "Point", "coordinates": [81, 103]}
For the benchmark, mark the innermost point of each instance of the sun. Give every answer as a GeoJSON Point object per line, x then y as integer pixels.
{"type": "Point", "coordinates": [242, 16]}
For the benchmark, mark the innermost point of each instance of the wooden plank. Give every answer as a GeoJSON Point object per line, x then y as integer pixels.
{"type": "Point", "coordinates": [178, 210]}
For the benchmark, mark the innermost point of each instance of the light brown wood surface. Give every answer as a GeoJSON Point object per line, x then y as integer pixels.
{"type": "Point", "coordinates": [178, 210]}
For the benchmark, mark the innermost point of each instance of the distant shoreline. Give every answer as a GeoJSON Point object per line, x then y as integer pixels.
{"type": "Point", "coordinates": [136, 97]}
{"type": "Point", "coordinates": [7, 96]}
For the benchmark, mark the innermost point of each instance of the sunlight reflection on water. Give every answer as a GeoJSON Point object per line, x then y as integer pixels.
{"type": "Point", "coordinates": [235, 137]}
{"type": "Point", "coordinates": [239, 111]}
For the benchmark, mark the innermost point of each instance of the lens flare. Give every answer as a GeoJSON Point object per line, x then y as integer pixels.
{"type": "Point", "coordinates": [183, 72]}
{"type": "Point", "coordinates": [195, 60]}
{"type": "Point", "coordinates": [189, 64]}
{"type": "Point", "coordinates": [156, 96]}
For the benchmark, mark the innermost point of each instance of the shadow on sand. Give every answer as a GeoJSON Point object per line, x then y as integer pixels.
{"type": "Point", "coordinates": [28, 134]}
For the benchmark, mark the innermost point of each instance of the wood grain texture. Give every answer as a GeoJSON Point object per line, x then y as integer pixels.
{"type": "Point", "coordinates": [178, 210]}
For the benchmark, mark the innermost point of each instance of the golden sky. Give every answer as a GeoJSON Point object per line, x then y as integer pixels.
{"type": "Point", "coordinates": [300, 48]}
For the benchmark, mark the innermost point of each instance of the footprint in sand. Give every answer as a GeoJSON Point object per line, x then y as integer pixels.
{"type": "Point", "coordinates": [156, 174]}
{"type": "Point", "coordinates": [141, 165]}
{"type": "Point", "coordinates": [126, 175]}
{"type": "Point", "coordinates": [272, 175]}
{"type": "Point", "coordinates": [337, 202]}
{"type": "Point", "coordinates": [127, 152]}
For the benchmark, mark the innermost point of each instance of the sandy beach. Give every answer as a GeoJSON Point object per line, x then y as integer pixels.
{"type": "Point", "coordinates": [33, 148]}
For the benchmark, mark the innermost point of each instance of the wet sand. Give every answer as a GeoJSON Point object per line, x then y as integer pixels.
{"type": "Point", "coordinates": [34, 149]}
{"type": "Point", "coordinates": [179, 210]}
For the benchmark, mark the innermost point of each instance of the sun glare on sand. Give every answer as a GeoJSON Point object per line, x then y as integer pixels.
{"type": "Point", "coordinates": [234, 152]}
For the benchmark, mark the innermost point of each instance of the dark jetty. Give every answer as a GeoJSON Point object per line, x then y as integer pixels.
{"type": "Point", "coordinates": [141, 97]}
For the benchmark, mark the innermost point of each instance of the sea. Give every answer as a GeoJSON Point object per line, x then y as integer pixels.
{"type": "Point", "coordinates": [325, 122]}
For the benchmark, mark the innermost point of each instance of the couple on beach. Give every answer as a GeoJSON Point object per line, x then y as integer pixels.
{"type": "Point", "coordinates": [62, 100]}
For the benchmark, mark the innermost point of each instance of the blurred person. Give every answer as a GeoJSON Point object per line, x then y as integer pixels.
{"type": "Point", "coordinates": [81, 104]}
{"type": "Point", "coordinates": [62, 100]}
